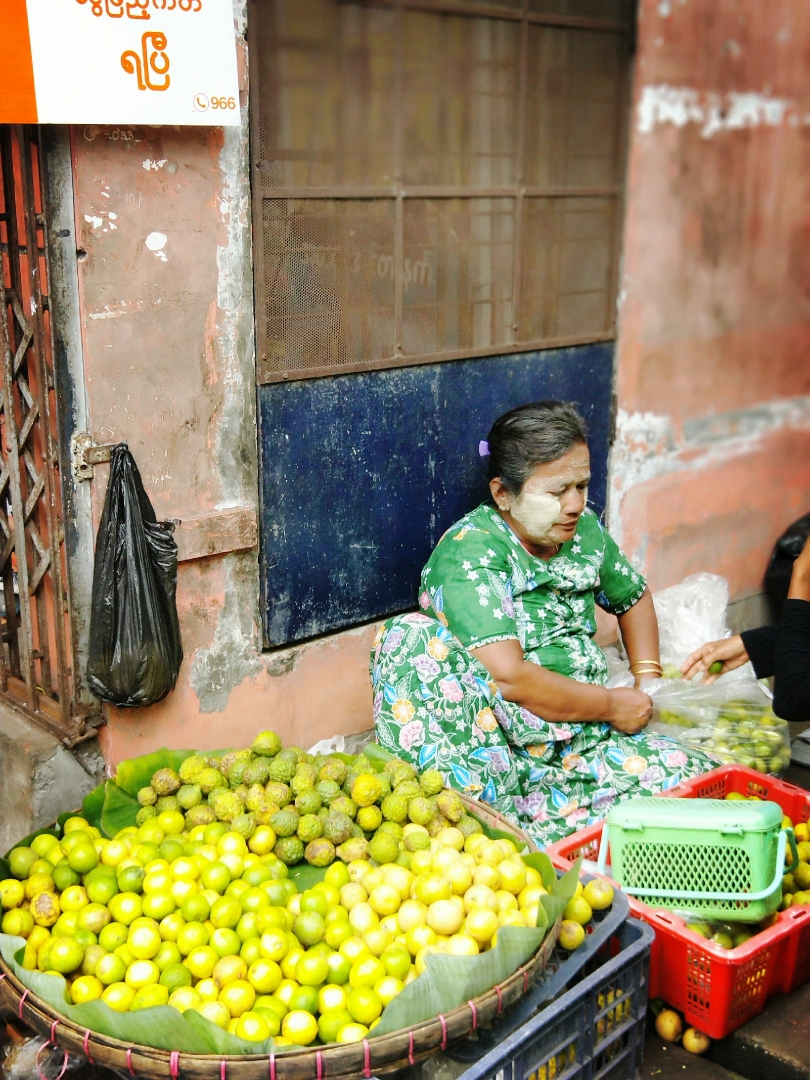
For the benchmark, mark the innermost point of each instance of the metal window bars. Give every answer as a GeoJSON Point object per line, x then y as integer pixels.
{"type": "Point", "coordinates": [434, 179]}
{"type": "Point", "coordinates": [35, 658]}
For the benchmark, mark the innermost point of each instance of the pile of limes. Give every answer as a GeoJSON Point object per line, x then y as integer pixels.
{"type": "Point", "coordinates": [319, 807]}
{"type": "Point", "coordinates": [741, 732]}
{"type": "Point", "coordinates": [208, 920]}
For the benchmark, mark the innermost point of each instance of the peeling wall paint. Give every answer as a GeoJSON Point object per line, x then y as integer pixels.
{"type": "Point", "coordinates": [709, 463]}
{"type": "Point", "coordinates": [713, 113]}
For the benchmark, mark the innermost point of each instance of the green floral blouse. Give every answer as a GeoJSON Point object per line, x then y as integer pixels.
{"type": "Point", "coordinates": [482, 584]}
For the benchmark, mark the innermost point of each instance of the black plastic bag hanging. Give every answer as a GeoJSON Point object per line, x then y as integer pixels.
{"type": "Point", "coordinates": [788, 548]}
{"type": "Point", "coordinates": [135, 651]}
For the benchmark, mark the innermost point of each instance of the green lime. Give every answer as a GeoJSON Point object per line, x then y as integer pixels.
{"type": "Point", "coordinates": [257, 874]}
{"type": "Point", "coordinates": [64, 875]}
{"type": "Point", "coordinates": [65, 954]}
{"type": "Point", "coordinates": [130, 879]}
{"type": "Point", "coordinates": [330, 1023]}
{"type": "Point", "coordinates": [309, 926]}
{"type": "Point", "coordinates": [214, 831]}
{"type": "Point", "coordinates": [175, 976]}
{"type": "Point", "coordinates": [277, 893]}
{"type": "Point", "coordinates": [110, 969]}
{"type": "Point", "coordinates": [272, 1004]}
{"type": "Point", "coordinates": [113, 935]}
{"type": "Point", "coordinates": [172, 848]}
{"type": "Point", "coordinates": [102, 889]}
{"type": "Point", "coordinates": [312, 970]}
{"type": "Point", "coordinates": [21, 859]}
{"type": "Point", "coordinates": [271, 1017]}
{"type": "Point", "coordinates": [248, 927]}
{"type": "Point", "coordinates": [251, 950]}
{"type": "Point", "coordinates": [279, 871]}
{"type": "Point", "coordinates": [86, 938]}
{"type": "Point", "coordinates": [83, 857]}
{"type": "Point", "coordinates": [313, 900]}
{"type": "Point", "coordinates": [167, 954]}
{"type": "Point", "coordinates": [225, 942]}
{"type": "Point", "coordinates": [195, 908]}
{"type": "Point", "coordinates": [340, 968]}
{"type": "Point", "coordinates": [306, 998]}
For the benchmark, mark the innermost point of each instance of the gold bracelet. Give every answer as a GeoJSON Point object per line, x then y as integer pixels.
{"type": "Point", "coordinates": [647, 665]}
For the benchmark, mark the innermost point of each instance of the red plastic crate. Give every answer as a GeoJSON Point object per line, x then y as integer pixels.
{"type": "Point", "coordinates": [717, 990]}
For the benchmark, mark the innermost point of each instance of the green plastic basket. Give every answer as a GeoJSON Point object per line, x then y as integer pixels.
{"type": "Point", "coordinates": [722, 859]}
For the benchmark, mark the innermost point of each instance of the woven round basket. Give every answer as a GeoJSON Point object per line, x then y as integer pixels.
{"type": "Point", "coordinates": [372, 1057]}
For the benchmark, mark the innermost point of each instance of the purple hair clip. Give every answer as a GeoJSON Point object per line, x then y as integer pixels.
{"type": "Point", "coordinates": [483, 448]}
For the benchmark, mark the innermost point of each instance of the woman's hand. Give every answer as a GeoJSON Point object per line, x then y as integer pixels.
{"type": "Point", "coordinates": [730, 652]}
{"type": "Point", "coordinates": [629, 710]}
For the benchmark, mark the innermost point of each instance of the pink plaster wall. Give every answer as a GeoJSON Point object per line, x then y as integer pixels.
{"type": "Point", "coordinates": [710, 460]}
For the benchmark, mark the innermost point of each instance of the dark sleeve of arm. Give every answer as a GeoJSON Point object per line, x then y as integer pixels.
{"type": "Point", "coordinates": [760, 645]}
{"type": "Point", "coordinates": [792, 662]}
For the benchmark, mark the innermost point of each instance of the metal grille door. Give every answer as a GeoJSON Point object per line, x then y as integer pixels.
{"type": "Point", "coordinates": [35, 662]}
{"type": "Point", "coordinates": [434, 179]}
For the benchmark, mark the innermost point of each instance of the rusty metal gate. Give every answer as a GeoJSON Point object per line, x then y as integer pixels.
{"type": "Point", "coordinates": [35, 660]}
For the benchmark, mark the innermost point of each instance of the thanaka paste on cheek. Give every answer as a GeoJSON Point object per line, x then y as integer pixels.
{"type": "Point", "coordinates": [536, 512]}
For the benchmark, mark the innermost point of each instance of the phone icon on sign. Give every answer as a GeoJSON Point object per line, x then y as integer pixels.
{"type": "Point", "coordinates": [200, 102]}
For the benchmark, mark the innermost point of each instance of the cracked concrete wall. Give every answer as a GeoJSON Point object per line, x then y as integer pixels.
{"type": "Point", "coordinates": [710, 461]}
{"type": "Point", "coordinates": [166, 306]}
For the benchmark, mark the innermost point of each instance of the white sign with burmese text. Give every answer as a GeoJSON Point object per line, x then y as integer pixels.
{"type": "Point", "coordinates": [134, 61]}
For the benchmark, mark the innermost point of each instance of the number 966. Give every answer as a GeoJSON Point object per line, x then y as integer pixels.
{"type": "Point", "coordinates": [223, 103]}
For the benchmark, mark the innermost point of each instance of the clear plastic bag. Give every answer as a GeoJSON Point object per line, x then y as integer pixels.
{"type": "Point", "coordinates": [28, 1058]}
{"type": "Point", "coordinates": [732, 719]}
{"type": "Point", "coordinates": [690, 614]}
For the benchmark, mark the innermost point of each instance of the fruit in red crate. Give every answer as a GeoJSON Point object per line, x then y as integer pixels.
{"type": "Point", "coordinates": [669, 1025]}
{"type": "Point", "coordinates": [695, 1041]}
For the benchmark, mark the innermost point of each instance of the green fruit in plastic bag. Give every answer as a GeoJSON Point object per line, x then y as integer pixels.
{"type": "Point", "coordinates": [266, 743]}
{"type": "Point", "coordinates": [310, 827]}
{"type": "Point", "coordinates": [320, 852]}
{"type": "Point", "coordinates": [147, 796]}
{"type": "Point", "coordinates": [285, 822]}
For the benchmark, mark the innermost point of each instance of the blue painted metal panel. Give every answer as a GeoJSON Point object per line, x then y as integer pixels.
{"type": "Point", "coordinates": [361, 474]}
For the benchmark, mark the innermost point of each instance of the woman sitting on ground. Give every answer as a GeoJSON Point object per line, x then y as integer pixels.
{"type": "Point", "coordinates": [782, 650]}
{"type": "Point", "coordinates": [500, 684]}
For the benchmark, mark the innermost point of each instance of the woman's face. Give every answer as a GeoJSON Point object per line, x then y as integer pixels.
{"type": "Point", "coordinates": [549, 506]}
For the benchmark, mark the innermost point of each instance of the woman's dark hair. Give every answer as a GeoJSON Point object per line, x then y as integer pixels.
{"type": "Point", "coordinates": [532, 435]}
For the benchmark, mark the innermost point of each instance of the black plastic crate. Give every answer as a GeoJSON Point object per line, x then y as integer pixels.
{"type": "Point", "coordinates": [594, 1031]}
